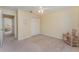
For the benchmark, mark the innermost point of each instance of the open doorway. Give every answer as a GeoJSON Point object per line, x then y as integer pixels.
{"type": "Point", "coordinates": [8, 25]}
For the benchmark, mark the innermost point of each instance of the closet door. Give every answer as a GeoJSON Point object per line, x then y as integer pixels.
{"type": "Point", "coordinates": [1, 29]}
{"type": "Point", "coordinates": [35, 26]}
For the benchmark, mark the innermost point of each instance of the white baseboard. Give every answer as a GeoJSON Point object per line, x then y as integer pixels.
{"type": "Point", "coordinates": [41, 34]}
{"type": "Point", "coordinates": [27, 37]}
{"type": "Point", "coordinates": [51, 36]}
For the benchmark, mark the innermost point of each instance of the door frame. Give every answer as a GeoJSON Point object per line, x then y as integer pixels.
{"type": "Point", "coordinates": [12, 17]}
{"type": "Point", "coordinates": [1, 45]}
{"type": "Point", "coordinates": [15, 21]}
{"type": "Point", "coordinates": [16, 26]}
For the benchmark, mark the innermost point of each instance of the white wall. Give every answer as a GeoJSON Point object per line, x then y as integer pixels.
{"type": "Point", "coordinates": [24, 24]}
{"type": "Point", "coordinates": [56, 23]}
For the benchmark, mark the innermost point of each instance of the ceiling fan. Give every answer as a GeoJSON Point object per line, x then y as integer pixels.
{"type": "Point", "coordinates": [41, 10]}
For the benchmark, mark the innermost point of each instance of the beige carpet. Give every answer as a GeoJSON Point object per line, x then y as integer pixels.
{"type": "Point", "coordinates": [38, 43]}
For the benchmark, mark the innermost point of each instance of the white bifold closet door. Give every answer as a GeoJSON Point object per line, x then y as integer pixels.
{"type": "Point", "coordinates": [1, 29]}
{"type": "Point", "coordinates": [35, 26]}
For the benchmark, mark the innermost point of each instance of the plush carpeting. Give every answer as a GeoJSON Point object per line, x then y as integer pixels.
{"type": "Point", "coordinates": [38, 43]}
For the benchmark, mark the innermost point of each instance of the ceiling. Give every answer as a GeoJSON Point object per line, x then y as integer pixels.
{"type": "Point", "coordinates": [33, 8]}
{"type": "Point", "coordinates": [36, 8]}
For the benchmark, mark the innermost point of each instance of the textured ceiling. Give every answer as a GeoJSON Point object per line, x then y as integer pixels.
{"type": "Point", "coordinates": [34, 8]}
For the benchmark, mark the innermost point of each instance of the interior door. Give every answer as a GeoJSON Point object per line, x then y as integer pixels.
{"type": "Point", "coordinates": [35, 26]}
{"type": "Point", "coordinates": [1, 29]}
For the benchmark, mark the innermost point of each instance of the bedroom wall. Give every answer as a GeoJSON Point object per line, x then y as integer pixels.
{"type": "Point", "coordinates": [56, 23]}
{"type": "Point", "coordinates": [25, 24]}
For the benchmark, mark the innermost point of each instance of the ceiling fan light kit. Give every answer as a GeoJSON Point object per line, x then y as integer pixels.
{"type": "Point", "coordinates": [41, 10]}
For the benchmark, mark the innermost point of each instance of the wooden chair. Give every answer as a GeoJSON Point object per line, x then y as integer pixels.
{"type": "Point", "coordinates": [72, 39]}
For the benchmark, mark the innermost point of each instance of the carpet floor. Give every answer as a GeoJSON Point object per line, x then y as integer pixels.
{"type": "Point", "coordinates": [38, 43]}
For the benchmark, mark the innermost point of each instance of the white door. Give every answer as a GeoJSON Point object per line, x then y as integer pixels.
{"type": "Point", "coordinates": [1, 28]}
{"type": "Point", "coordinates": [35, 26]}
